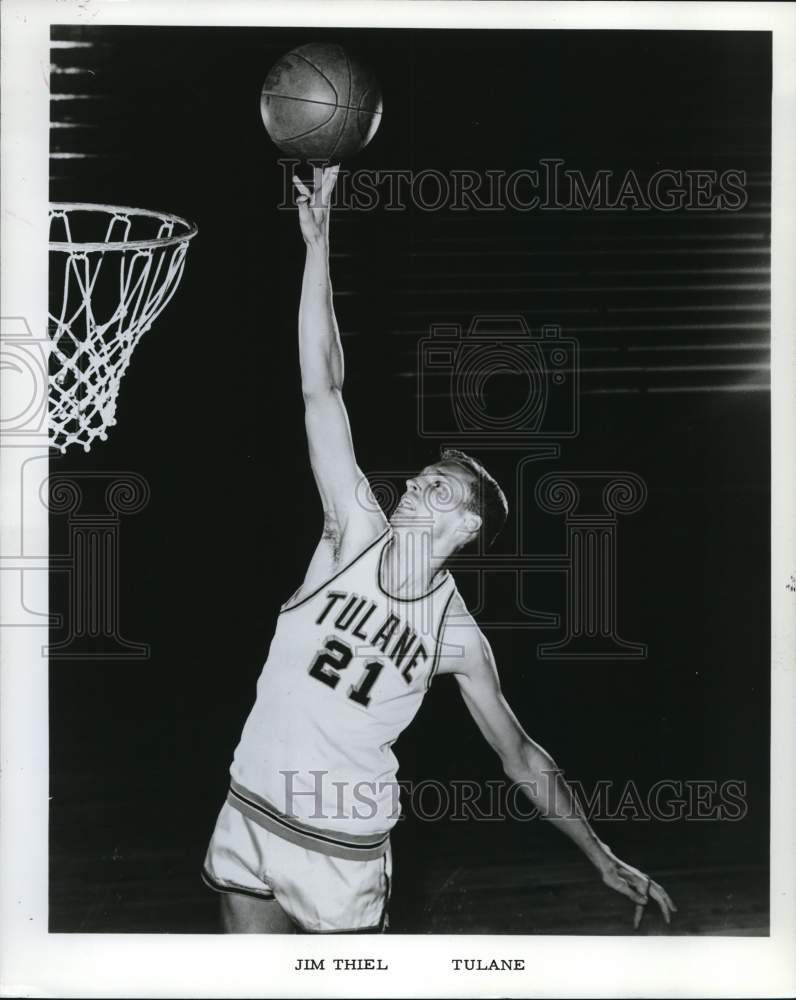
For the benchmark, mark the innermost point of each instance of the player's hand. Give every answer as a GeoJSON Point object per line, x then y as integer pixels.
{"type": "Point", "coordinates": [637, 886]}
{"type": "Point", "coordinates": [314, 207]}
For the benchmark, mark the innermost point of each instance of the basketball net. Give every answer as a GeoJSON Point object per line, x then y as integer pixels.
{"type": "Point", "coordinates": [116, 270]}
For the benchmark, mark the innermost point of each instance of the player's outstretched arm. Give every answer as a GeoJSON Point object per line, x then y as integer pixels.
{"type": "Point", "coordinates": [529, 765]}
{"type": "Point", "coordinates": [339, 478]}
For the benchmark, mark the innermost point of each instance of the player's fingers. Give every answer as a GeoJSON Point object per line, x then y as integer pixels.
{"type": "Point", "coordinates": [658, 890]}
{"type": "Point", "coordinates": [317, 181]}
{"type": "Point", "coordinates": [639, 913]}
{"type": "Point", "coordinates": [301, 187]}
{"type": "Point", "coordinates": [660, 898]}
{"type": "Point", "coordinates": [623, 885]}
{"type": "Point", "coordinates": [638, 884]}
{"type": "Point", "coordinates": [330, 177]}
{"type": "Point", "coordinates": [664, 909]}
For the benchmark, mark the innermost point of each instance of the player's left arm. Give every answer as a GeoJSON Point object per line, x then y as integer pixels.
{"type": "Point", "coordinates": [530, 766]}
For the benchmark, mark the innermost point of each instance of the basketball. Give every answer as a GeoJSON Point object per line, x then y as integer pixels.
{"type": "Point", "coordinates": [319, 103]}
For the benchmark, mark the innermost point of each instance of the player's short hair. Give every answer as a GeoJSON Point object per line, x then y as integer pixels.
{"type": "Point", "coordinates": [486, 497]}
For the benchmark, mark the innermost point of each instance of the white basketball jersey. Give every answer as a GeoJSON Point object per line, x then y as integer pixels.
{"type": "Point", "coordinates": [346, 673]}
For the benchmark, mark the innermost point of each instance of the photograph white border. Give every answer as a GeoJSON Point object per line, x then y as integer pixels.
{"type": "Point", "coordinates": [36, 963]}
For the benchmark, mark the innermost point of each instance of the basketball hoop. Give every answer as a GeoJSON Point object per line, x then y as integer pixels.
{"type": "Point", "coordinates": [116, 269]}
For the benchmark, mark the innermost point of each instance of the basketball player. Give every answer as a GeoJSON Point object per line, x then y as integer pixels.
{"type": "Point", "coordinates": [302, 842]}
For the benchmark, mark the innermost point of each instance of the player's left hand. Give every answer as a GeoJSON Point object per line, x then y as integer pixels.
{"type": "Point", "coordinates": [637, 886]}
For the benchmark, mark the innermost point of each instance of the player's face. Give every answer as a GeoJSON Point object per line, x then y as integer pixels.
{"type": "Point", "coordinates": [438, 495]}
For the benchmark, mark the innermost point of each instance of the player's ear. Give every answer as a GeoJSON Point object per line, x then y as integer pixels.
{"type": "Point", "coordinates": [472, 522]}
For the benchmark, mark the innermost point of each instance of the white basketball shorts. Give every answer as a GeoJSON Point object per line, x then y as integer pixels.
{"type": "Point", "coordinates": [320, 893]}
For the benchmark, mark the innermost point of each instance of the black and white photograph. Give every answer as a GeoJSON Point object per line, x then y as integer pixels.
{"type": "Point", "coordinates": [398, 551]}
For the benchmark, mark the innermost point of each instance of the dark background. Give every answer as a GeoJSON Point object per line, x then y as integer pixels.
{"type": "Point", "coordinates": [671, 312]}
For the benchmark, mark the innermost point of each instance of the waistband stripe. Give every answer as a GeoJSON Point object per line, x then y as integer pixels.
{"type": "Point", "coordinates": [361, 847]}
